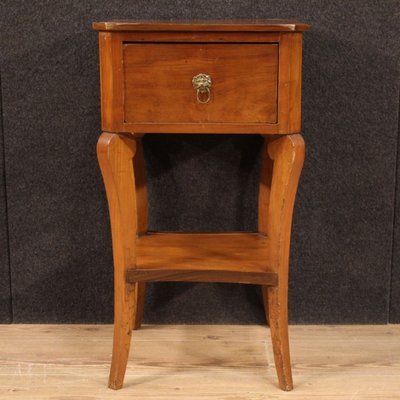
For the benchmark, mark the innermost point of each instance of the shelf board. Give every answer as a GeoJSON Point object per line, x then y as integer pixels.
{"type": "Point", "coordinates": [202, 257]}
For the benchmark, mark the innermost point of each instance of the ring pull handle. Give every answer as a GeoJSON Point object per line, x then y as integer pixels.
{"type": "Point", "coordinates": [203, 93]}
{"type": "Point", "coordinates": [202, 85]}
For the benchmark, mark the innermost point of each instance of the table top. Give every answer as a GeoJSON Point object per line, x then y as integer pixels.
{"type": "Point", "coordinates": [260, 25]}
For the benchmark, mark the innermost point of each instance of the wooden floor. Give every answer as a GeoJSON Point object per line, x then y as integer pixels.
{"type": "Point", "coordinates": [61, 362]}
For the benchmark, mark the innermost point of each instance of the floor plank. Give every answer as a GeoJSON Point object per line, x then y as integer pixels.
{"type": "Point", "coordinates": [61, 362]}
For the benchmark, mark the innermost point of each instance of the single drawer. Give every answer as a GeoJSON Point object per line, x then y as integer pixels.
{"type": "Point", "coordinates": [173, 81]}
{"type": "Point", "coordinates": [241, 87]}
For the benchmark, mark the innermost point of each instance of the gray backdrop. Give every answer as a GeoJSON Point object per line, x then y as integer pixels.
{"type": "Point", "coordinates": [345, 266]}
{"type": "Point", "coordinates": [5, 289]}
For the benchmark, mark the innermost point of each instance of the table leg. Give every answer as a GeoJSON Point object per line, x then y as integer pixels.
{"type": "Point", "coordinates": [121, 162]}
{"type": "Point", "coordinates": [283, 158]}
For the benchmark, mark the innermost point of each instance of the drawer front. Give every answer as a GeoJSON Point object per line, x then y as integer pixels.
{"type": "Point", "coordinates": [158, 87]}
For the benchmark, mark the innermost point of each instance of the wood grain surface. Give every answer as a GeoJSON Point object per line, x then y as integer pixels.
{"type": "Point", "coordinates": [122, 167]}
{"type": "Point", "coordinates": [158, 82]}
{"type": "Point", "coordinates": [263, 25]}
{"type": "Point", "coordinates": [146, 80]}
{"type": "Point", "coordinates": [247, 85]}
{"type": "Point", "coordinates": [277, 194]}
{"type": "Point", "coordinates": [62, 362]}
{"type": "Point", "coordinates": [243, 252]}
{"type": "Point", "coordinates": [192, 275]}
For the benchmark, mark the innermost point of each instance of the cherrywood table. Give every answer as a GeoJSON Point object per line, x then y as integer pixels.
{"type": "Point", "coordinates": [211, 77]}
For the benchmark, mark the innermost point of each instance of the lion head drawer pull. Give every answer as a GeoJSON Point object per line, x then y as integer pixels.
{"type": "Point", "coordinates": [202, 85]}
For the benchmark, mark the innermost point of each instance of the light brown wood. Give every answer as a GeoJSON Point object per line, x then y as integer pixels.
{"type": "Point", "coordinates": [289, 101]}
{"type": "Point", "coordinates": [141, 88]}
{"type": "Point", "coordinates": [283, 159]}
{"type": "Point", "coordinates": [142, 221]}
{"type": "Point", "coordinates": [244, 82]}
{"type": "Point", "coordinates": [111, 85]}
{"type": "Point", "coordinates": [146, 87]}
{"type": "Point", "coordinates": [127, 201]}
{"type": "Point", "coordinates": [140, 290]}
{"type": "Point", "coordinates": [219, 362]}
{"type": "Point", "coordinates": [263, 25]}
{"type": "Point", "coordinates": [202, 257]}
{"type": "Point", "coordinates": [203, 275]}
{"type": "Point", "coordinates": [241, 257]}
{"type": "Point", "coordinates": [284, 155]}
{"type": "Point", "coordinates": [198, 37]}
{"type": "Point", "coordinates": [219, 251]}
{"type": "Point", "coordinates": [294, 120]}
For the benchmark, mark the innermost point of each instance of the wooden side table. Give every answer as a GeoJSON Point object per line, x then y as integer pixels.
{"type": "Point", "coordinates": [200, 77]}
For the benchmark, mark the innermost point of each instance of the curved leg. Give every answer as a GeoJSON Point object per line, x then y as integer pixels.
{"type": "Point", "coordinates": [282, 163]}
{"type": "Point", "coordinates": [138, 315]}
{"type": "Point", "coordinates": [142, 221]}
{"type": "Point", "coordinates": [119, 158]}
{"type": "Point", "coordinates": [277, 315]}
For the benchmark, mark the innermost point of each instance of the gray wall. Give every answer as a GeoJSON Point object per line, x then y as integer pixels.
{"type": "Point", "coordinates": [5, 288]}
{"type": "Point", "coordinates": [58, 227]}
{"type": "Point", "coordinates": [394, 306]}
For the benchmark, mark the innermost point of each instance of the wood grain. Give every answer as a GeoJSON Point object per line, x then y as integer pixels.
{"type": "Point", "coordinates": [148, 92]}
{"type": "Point", "coordinates": [263, 25]}
{"type": "Point", "coordinates": [289, 100]}
{"type": "Point", "coordinates": [127, 202]}
{"type": "Point", "coordinates": [282, 162]}
{"type": "Point", "coordinates": [111, 85]}
{"type": "Point", "coordinates": [146, 87]}
{"type": "Point", "coordinates": [203, 251]}
{"type": "Point", "coordinates": [231, 362]}
{"type": "Point", "coordinates": [158, 82]}
{"type": "Point", "coordinates": [198, 37]}
{"type": "Point", "coordinates": [294, 121]}
{"type": "Point", "coordinates": [206, 275]}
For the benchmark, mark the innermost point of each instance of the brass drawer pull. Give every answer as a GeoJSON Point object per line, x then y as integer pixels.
{"type": "Point", "coordinates": [202, 85]}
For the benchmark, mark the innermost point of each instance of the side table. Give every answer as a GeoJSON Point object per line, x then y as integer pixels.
{"type": "Point", "coordinates": [216, 77]}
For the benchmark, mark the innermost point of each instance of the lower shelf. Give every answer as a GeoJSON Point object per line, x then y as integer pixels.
{"type": "Point", "coordinates": [202, 257]}
{"type": "Point", "coordinates": [192, 275]}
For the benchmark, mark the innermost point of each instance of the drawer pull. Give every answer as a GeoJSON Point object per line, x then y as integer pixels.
{"type": "Point", "coordinates": [202, 85]}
